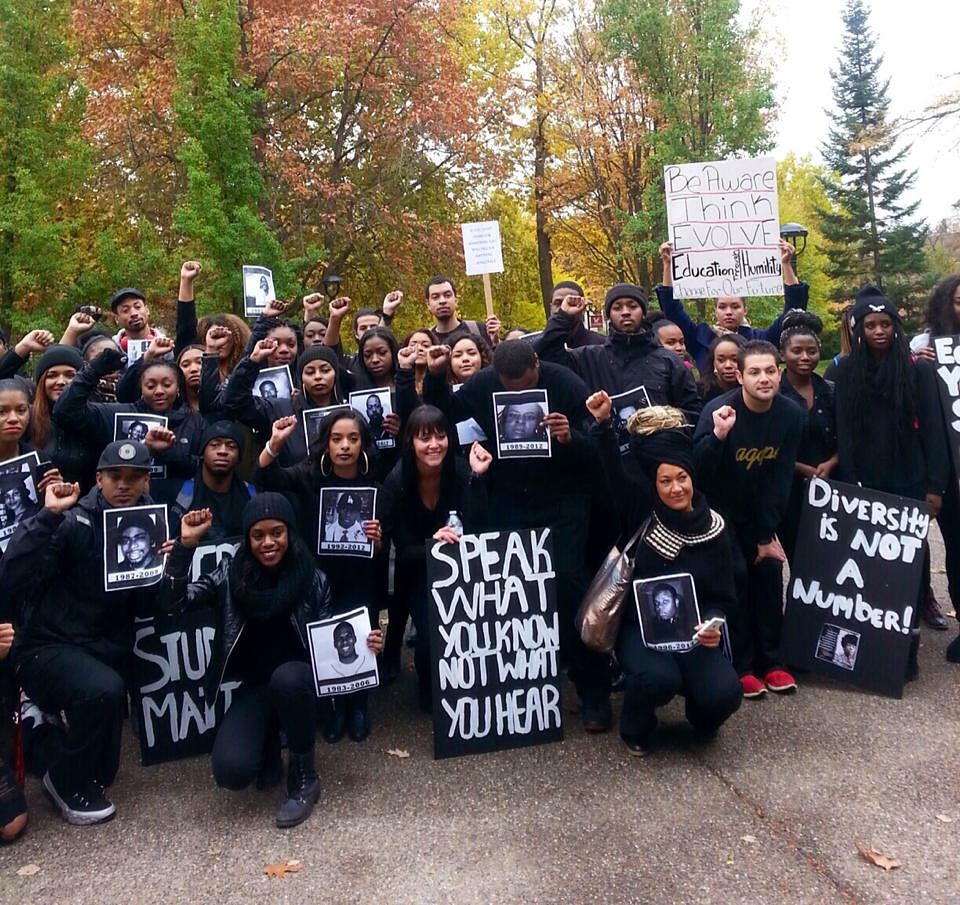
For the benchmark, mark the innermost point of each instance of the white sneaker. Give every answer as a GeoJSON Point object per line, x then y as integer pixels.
{"type": "Point", "coordinates": [80, 808]}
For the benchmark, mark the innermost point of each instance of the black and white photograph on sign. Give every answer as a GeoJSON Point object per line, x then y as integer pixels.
{"type": "Point", "coordinates": [531, 337]}
{"type": "Point", "coordinates": [274, 383]}
{"type": "Point", "coordinates": [132, 539]}
{"type": "Point", "coordinates": [469, 432]}
{"type": "Point", "coordinates": [375, 405]}
{"type": "Point", "coordinates": [343, 510]}
{"type": "Point", "coordinates": [341, 660]}
{"type": "Point", "coordinates": [668, 612]}
{"type": "Point", "coordinates": [135, 350]}
{"type": "Point", "coordinates": [518, 417]}
{"type": "Point", "coordinates": [18, 494]}
{"type": "Point", "coordinates": [624, 405]}
{"type": "Point", "coordinates": [257, 289]}
{"type": "Point", "coordinates": [838, 646]}
{"type": "Point", "coordinates": [313, 418]}
{"type": "Point", "coordinates": [134, 426]}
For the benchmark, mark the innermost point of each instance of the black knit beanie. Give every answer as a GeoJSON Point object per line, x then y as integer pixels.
{"type": "Point", "coordinates": [268, 505]}
{"type": "Point", "coordinates": [624, 291]}
{"type": "Point", "coordinates": [55, 356]}
{"type": "Point", "coordinates": [871, 300]}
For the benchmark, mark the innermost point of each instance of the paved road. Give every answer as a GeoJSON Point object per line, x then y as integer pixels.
{"type": "Point", "coordinates": [767, 813]}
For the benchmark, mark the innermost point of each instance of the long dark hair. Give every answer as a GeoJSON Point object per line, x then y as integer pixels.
{"type": "Point", "coordinates": [249, 580]}
{"type": "Point", "coordinates": [940, 318]}
{"type": "Point", "coordinates": [376, 333]}
{"type": "Point", "coordinates": [709, 385]}
{"type": "Point", "coordinates": [891, 379]}
{"type": "Point", "coordinates": [322, 443]}
{"type": "Point", "coordinates": [428, 421]}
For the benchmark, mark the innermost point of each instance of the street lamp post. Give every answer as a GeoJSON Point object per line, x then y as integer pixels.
{"type": "Point", "coordinates": [331, 286]}
{"type": "Point", "coordinates": [793, 232]}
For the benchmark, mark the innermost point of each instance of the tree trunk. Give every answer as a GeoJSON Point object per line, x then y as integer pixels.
{"type": "Point", "coordinates": [544, 252]}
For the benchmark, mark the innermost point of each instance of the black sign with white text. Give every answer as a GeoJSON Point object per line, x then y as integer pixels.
{"type": "Point", "coordinates": [495, 642]}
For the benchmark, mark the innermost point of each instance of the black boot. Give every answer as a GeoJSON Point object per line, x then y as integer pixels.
{"type": "Point", "coordinates": [913, 664]}
{"type": "Point", "coordinates": [337, 723]}
{"type": "Point", "coordinates": [953, 650]}
{"type": "Point", "coordinates": [303, 790]}
{"type": "Point", "coordinates": [358, 724]}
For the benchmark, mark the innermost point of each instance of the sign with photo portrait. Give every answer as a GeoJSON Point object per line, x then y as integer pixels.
{"type": "Point", "coordinates": [375, 405]}
{"type": "Point", "coordinates": [854, 583]}
{"type": "Point", "coordinates": [313, 418]}
{"type": "Point", "coordinates": [135, 350]}
{"type": "Point", "coordinates": [518, 419]}
{"type": "Point", "coordinates": [624, 405]}
{"type": "Point", "coordinates": [134, 426]}
{"type": "Point", "coordinates": [132, 538]}
{"type": "Point", "coordinates": [274, 383]}
{"type": "Point", "coordinates": [343, 510]}
{"type": "Point", "coordinates": [668, 612]}
{"type": "Point", "coordinates": [258, 289]}
{"type": "Point", "coordinates": [19, 498]}
{"type": "Point", "coordinates": [341, 660]}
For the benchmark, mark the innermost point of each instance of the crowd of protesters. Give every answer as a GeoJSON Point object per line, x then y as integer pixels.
{"type": "Point", "coordinates": [715, 490]}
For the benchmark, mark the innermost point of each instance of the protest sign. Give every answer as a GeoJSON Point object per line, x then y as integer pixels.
{"type": "Point", "coordinates": [494, 641]}
{"type": "Point", "coordinates": [341, 660]}
{"type": "Point", "coordinates": [853, 585]}
{"type": "Point", "coordinates": [483, 254]}
{"type": "Point", "coordinates": [171, 656]}
{"type": "Point", "coordinates": [724, 226]}
{"type": "Point", "coordinates": [258, 289]}
{"type": "Point", "coordinates": [947, 349]}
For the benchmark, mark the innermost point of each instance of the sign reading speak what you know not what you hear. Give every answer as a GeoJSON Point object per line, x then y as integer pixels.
{"type": "Point", "coordinates": [724, 225]}
{"type": "Point", "coordinates": [854, 582]}
{"type": "Point", "coordinates": [494, 641]}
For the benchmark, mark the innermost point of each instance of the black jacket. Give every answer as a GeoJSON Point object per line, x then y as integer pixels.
{"type": "Point", "coordinates": [54, 570]}
{"type": "Point", "coordinates": [94, 421]}
{"type": "Point", "coordinates": [213, 590]}
{"type": "Point", "coordinates": [623, 362]}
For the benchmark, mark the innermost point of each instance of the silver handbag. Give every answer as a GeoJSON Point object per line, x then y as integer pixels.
{"type": "Point", "coordinates": [601, 611]}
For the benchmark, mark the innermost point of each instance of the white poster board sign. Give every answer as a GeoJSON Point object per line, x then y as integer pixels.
{"type": "Point", "coordinates": [724, 225]}
{"type": "Point", "coordinates": [482, 251]}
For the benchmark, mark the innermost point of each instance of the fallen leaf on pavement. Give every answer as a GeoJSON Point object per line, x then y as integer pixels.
{"type": "Point", "coordinates": [398, 752]}
{"type": "Point", "coordinates": [750, 839]}
{"type": "Point", "coordinates": [28, 870]}
{"type": "Point", "coordinates": [872, 856]}
{"type": "Point", "coordinates": [282, 869]}
{"type": "Point", "coordinates": [943, 818]}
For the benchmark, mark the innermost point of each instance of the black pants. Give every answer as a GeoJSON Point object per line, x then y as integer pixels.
{"type": "Point", "coordinates": [703, 676]}
{"type": "Point", "coordinates": [566, 515]}
{"type": "Point", "coordinates": [949, 522]}
{"type": "Point", "coordinates": [92, 695]}
{"type": "Point", "coordinates": [250, 725]}
{"type": "Point", "coordinates": [756, 626]}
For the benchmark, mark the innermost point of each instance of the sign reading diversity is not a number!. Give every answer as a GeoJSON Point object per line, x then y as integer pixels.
{"type": "Point", "coordinates": [724, 226]}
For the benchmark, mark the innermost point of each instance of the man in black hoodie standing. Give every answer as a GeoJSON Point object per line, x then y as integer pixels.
{"type": "Point", "coordinates": [74, 638]}
{"type": "Point", "coordinates": [579, 335]}
{"type": "Point", "coordinates": [630, 358]}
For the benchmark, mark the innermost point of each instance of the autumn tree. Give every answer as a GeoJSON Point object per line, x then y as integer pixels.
{"type": "Point", "coordinates": [42, 161]}
{"type": "Point", "coordinates": [873, 236]}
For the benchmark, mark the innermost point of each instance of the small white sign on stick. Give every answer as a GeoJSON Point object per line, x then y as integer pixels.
{"type": "Point", "coordinates": [482, 251]}
{"type": "Point", "coordinates": [724, 225]}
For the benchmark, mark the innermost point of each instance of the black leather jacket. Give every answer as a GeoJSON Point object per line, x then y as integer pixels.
{"type": "Point", "coordinates": [213, 590]}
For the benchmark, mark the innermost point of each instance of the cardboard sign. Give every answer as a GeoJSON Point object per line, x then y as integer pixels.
{"type": "Point", "coordinates": [853, 585]}
{"type": "Point", "coordinates": [482, 251]}
{"type": "Point", "coordinates": [171, 656]}
{"type": "Point", "coordinates": [947, 349]}
{"type": "Point", "coordinates": [724, 226]}
{"type": "Point", "coordinates": [494, 642]}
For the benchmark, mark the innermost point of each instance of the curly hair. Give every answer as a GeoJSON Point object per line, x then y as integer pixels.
{"type": "Point", "coordinates": [941, 320]}
{"type": "Point", "coordinates": [239, 334]}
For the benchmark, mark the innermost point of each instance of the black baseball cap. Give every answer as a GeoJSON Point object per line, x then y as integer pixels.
{"type": "Point", "coordinates": [125, 454]}
{"type": "Point", "coordinates": [125, 293]}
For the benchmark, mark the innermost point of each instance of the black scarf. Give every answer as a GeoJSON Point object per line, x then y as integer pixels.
{"type": "Point", "coordinates": [670, 531]}
{"type": "Point", "coordinates": [261, 594]}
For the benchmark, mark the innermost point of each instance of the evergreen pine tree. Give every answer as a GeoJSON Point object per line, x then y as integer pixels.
{"type": "Point", "coordinates": [872, 235]}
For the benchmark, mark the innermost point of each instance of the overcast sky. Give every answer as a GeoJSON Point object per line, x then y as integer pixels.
{"type": "Point", "coordinates": [918, 40]}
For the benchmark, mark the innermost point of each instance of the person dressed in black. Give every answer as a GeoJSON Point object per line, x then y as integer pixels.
{"type": "Point", "coordinates": [631, 356]}
{"type": "Point", "coordinates": [342, 458]}
{"type": "Point", "coordinates": [817, 453]}
{"type": "Point", "coordinates": [265, 597]}
{"type": "Point", "coordinates": [74, 638]}
{"type": "Point", "coordinates": [745, 448]}
{"type": "Point", "coordinates": [428, 484]}
{"type": "Point", "coordinates": [217, 486]}
{"type": "Point", "coordinates": [889, 421]}
{"type": "Point", "coordinates": [550, 492]}
{"type": "Point", "coordinates": [681, 534]}
{"type": "Point", "coordinates": [579, 335]}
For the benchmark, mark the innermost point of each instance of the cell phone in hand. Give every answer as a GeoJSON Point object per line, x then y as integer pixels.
{"type": "Point", "coordinates": [92, 310]}
{"type": "Point", "coordinates": [43, 468]}
{"type": "Point", "coordinates": [712, 624]}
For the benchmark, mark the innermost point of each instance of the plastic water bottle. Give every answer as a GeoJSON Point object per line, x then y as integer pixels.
{"type": "Point", "coordinates": [453, 521]}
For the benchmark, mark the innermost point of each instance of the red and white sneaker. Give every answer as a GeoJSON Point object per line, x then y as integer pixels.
{"type": "Point", "coordinates": [752, 687]}
{"type": "Point", "coordinates": [780, 681]}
